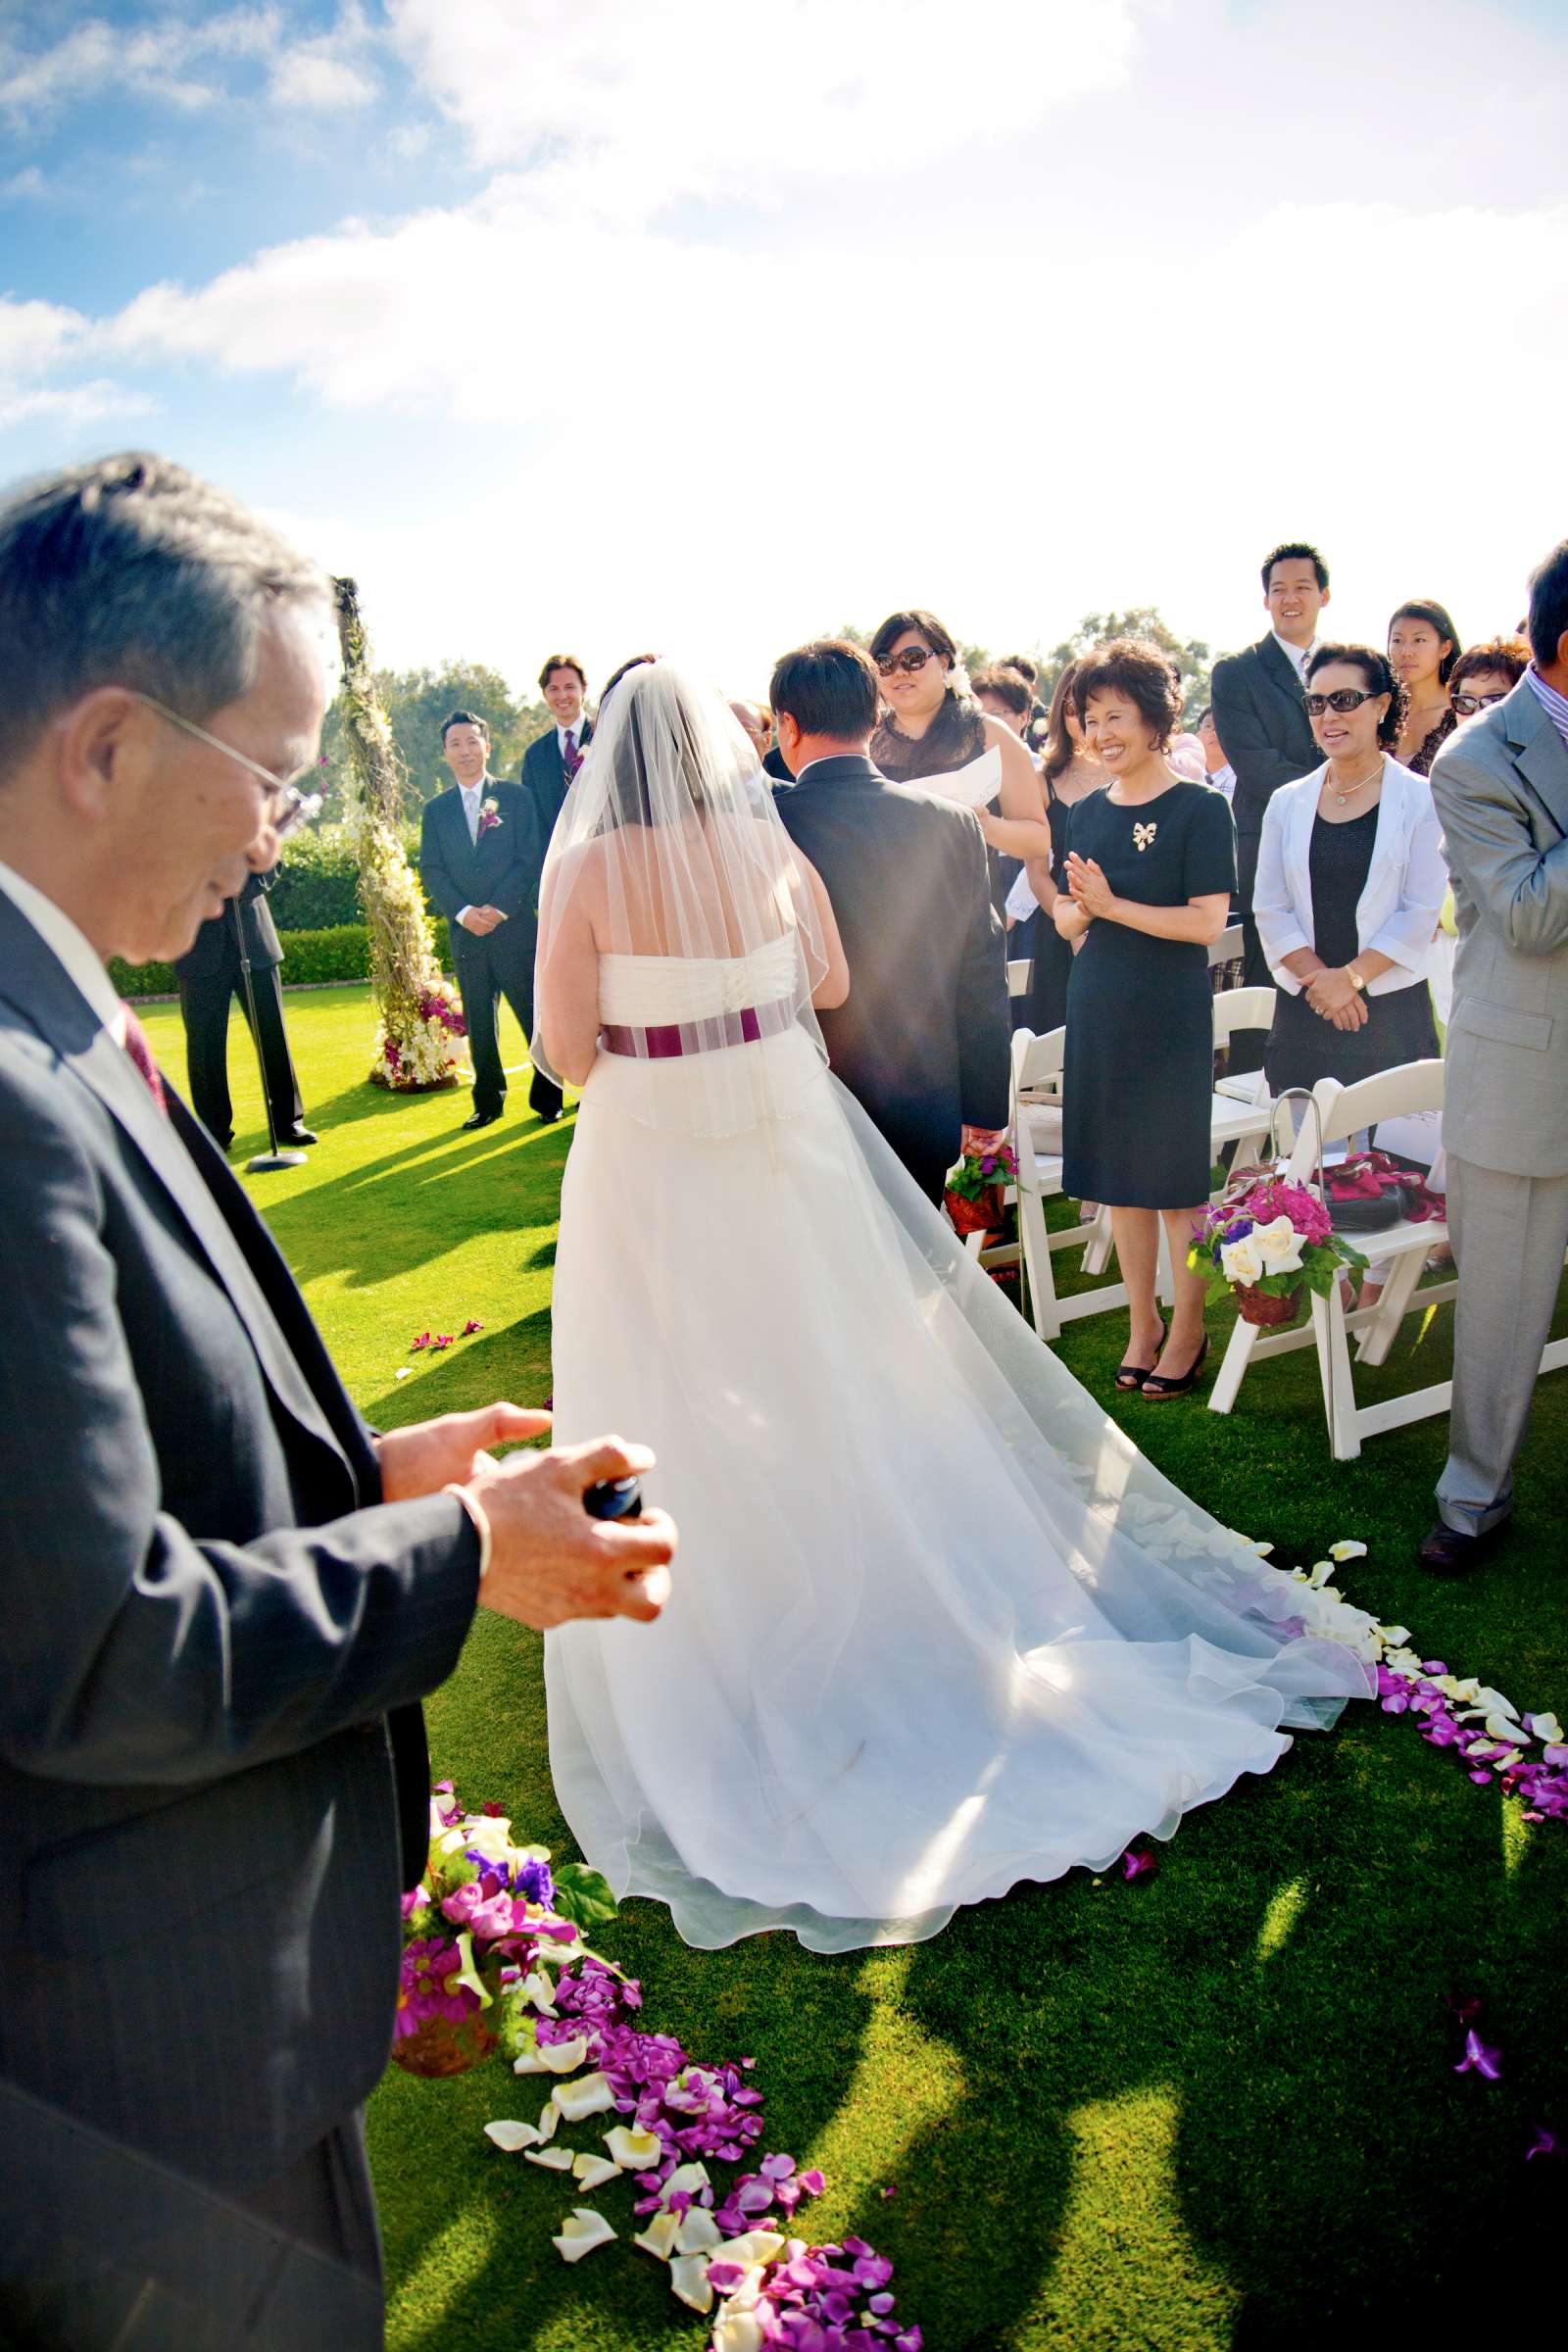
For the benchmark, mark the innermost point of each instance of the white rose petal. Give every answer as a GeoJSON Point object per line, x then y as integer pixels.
{"type": "Point", "coordinates": [580, 2232]}
{"type": "Point", "coordinates": [688, 2177]}
{"type": "Point", "coordinates": [1547, 1727]}
{"type": "Point", "coordinates": [510, 2138]}
{"type": "Point", "coordinates": [700, 2233]}
{"type": "Point", "coordinates": [633, 2150]}
{"type": "Point", "coordinates": [592, 2170]}
{"type": "Point", "coordinates": [549, 2118]}
{"type": "Point", "coordinates": [756, 2247]}
{"type": "Point", "coordinates": [688, 2280]}
{"type": "Point", "coordinates": [564, 2057]}
{"type": "Point", "coordinates": [539, 1992]}
{"type": "Point", "coordinates": [553, 2160]}
{"type": "Point", "coordinates": [1346, 1549]}
{"type": "Point", "coordinates": [738, 2332]}
{"type": "Point", "coordinates": [590, 2095]}
{"type": "Point", "coordinates": [659, 2238]}
{"type": "Point", "coordinates": [1240, 1261]}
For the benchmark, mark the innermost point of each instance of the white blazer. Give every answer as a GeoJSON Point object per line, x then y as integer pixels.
{"type": "Point", "coordinates": [1396, 913]}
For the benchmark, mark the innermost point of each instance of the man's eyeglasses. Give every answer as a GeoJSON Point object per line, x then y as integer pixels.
{"type": "Point", "coordinates": [1467, 704]}
{"type": "Point", "coordinates": [292, 808]}
{"type": "Point", "coordinates": [913, 658]}
{"type": "Point", "coordinates": [1345, 699]}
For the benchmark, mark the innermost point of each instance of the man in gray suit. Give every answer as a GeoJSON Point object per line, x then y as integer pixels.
{"type": "Point", "coordinates": [225, 1596]}
{"type": "Point", "coordinates": [1500, 786]}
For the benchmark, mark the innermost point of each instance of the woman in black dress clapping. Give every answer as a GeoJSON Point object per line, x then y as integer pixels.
{"type": "Point", "coordinates": [1149, 870]}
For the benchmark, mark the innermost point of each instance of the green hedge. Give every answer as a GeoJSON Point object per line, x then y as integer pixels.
{"type": "Point", "coordinates": [341, 952]}
{"type": "Point", "coordinates": [316, 884]}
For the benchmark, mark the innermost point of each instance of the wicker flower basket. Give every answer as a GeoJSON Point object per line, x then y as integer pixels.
{"type": "Point", "coordinates": [1266, 1308]}
{"type": "Point", "coordinates": [987, 1215]}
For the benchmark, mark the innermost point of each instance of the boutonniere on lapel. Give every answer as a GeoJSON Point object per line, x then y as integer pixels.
{"type": "Point", "coordinates": [1143, 835]}
{"type": "Point", "coordinates": [489, 816]}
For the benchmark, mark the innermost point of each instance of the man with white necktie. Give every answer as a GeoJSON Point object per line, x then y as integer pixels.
{"type": "Point", "coordinates": [549, 769]}
{"type": "Point", "coordinates": [479, 860]}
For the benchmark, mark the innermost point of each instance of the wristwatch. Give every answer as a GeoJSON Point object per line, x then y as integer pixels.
{"type": "Point", "coordinates": [1356, 979]}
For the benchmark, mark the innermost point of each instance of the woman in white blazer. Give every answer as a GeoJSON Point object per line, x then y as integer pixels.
{"type": "Point", "coordinates": [1350, 881]}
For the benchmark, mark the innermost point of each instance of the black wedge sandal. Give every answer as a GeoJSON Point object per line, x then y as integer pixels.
{"type": "Point", "coordinates": [1159, 1387]}
{"type": "Point", "coordinates": [1132, 1376]}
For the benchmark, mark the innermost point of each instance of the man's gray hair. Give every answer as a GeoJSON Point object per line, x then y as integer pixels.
{"type": "Point", "coordinates": [134, 571]}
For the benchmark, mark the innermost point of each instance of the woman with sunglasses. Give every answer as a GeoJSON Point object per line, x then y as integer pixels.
{"type": "Point", "coordinates": [1423, 648]}
{"type": "Point", "coordinates": [1351, 879]}
{"type": "Point", "coordinates": [935, 735]}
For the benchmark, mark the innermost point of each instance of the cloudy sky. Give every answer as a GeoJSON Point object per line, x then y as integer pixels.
{"type": "Point", "coordinates": [712, 324]}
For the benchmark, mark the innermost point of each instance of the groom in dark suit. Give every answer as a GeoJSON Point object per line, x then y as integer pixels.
{"type": "Point", "coordinates": [1261, 717]}
{"type": "Point", "coordinates": [479, 860]}
{"type": "Point", "coordinates": [923, 1038]}
{"type": "Point", "coordinates": [225, 1595]}
{"type": "Point", "coordinates": [549, 771]}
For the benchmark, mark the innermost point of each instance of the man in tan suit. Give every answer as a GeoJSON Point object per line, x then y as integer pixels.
{"type": "Point", "coordinates": [1500, 786]}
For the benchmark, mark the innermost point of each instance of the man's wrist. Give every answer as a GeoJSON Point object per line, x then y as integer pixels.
{"type": "Point", "coordinates": [1355, 979]}
{"type": "Point", "coordinates": [480, 1518]}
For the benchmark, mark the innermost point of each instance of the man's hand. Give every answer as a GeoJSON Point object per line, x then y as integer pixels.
{"type": "Point", "coordinates": [451, 1450]}
{"type": "Point", "coordinates": [550, 1562]}
{"type": "Point", "coordinates": [481, 920]}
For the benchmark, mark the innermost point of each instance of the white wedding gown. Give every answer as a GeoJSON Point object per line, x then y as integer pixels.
{"type": "Point", "coordinates": [936, 1624]}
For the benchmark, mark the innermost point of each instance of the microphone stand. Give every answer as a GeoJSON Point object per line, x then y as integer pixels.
{"type": "Point", "coordinates": [265, 1162]}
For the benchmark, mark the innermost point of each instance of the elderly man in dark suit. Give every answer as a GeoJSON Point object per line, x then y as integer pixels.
{"type": "Point", "coordinates": [1500, 785]}
{"type": "Point", "coordinates": [1259, 711]}
{"type": "Point", "coordinates": [923, 1038]}
{"type": "Point", "coordinates": [225, 1595]}
{"type": "Point", "coordinates": [479, 860]}
{"type": "Point", "coordinates": [549, 769]}
{"type": "Point", "coordinates": [210, 978]}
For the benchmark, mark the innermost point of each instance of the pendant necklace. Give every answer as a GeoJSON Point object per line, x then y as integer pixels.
{"type": "Point", "coordinates": [1347, 792]}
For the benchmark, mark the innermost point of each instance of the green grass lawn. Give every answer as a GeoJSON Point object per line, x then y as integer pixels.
{"type": "Point", "coordinates": [1212, 2108]}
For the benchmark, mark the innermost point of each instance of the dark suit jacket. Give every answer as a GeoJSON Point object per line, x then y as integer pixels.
{"type": "Point", "coordinates": [923, 1038]}
{"type": "Point", "coordinates": [498, 869]}
{"type": "Point", "coordinates": [543, 776]}
{"type": "Point", "coordinates": [208, 1615]}
{"type": "Point", "coordinates": [215, 946]}
{"type": "Point", "coordinates": [1260, 718]}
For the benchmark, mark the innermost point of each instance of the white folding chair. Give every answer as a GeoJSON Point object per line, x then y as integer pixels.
{"type": "Point", "coordinates": [1403, 1248]}
{"type": "Point", "coordinates": [1243, 1109]}
{"type": "Point", "coordinates": [1037, 1140]}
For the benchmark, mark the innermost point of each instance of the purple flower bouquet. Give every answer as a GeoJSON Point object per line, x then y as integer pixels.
{"type": "Point", "coordinates": [975, 1189]}
{"type": "Point", "coordinates": [1266, 1242]}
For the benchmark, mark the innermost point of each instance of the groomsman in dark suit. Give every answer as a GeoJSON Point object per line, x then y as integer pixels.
{"type": "Point", "coordinates": [210, 978]}
{"type": "Point", "coordinates": [923, 1038]}
{"type": "Point", "coordinates": [549, 769]}
{"type": "Point", "coordinates": [1261, 717]}
{"type": "Point", "coordinates": [223, 1595]}
{"type": "Point", "coordinates": [479, 860]}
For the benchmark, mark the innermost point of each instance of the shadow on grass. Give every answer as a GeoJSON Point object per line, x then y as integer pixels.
{"type": "Point", "coordinates": [392, 1210]}
{"type": "Point", "coordinates": [512, 1361]}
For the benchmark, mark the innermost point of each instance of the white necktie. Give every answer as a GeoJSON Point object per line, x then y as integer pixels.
{"type": "Point", "coordinates": [471, 810]}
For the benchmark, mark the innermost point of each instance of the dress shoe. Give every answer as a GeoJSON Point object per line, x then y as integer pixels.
{"type": "Point", "coordinates": [479, 1118]}
{"type": "Point", "coordinates": [296, 1138]}
{"type": "Point", "coordinates": [1160, 1385]}
{"type": "Point", "coordinates": [1449, 1552]}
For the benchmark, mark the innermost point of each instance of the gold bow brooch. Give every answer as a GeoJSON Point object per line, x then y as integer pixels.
{"type": "Point", "coordinates": [1143, 835]}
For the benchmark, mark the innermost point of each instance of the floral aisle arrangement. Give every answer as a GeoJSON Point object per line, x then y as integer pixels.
{"type": "Point", "coordinates": [1266, 1241]}
{"type": "Point", "coordinates": [494, 1960]}
{"type": "Point", "coordinates": [975, 1189]}
{"type": "Point", "coordinates": [420, 1043]}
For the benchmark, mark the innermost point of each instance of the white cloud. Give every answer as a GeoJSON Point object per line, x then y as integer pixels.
{"type": "Point", "coordinates": [70, 406]}
{"type": "Point", "coordinates": [35, 337]}
{"type": "Point", "coordinates": [27, 186]}
{"type": "Point", "coordinates": [698, 94]}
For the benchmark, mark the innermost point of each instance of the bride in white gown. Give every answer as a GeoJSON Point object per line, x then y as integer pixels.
{"type": "Point", "coordinates": [936, 1624]}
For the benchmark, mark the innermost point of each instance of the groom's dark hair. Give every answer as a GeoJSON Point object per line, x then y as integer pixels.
{"type": "Point", "coordinates": [828, 688]}
{"type": "Point", "coordinates": [462, 718]}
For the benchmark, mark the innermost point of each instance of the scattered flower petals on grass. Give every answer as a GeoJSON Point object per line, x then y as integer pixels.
{"type": "Point", "coordinates": [590, 2171]}
{"type": "Point", "coordinates": [1136, 1864]}
{"type": "Point", "coordinates": [557, 2158]}
{"type": "Point", "coordinates": [470, 1327]}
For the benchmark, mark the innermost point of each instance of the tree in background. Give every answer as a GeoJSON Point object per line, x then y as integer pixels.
{"type": "Point", "coordinates": [418, 1045]}
{"type": "Point", "coordinates": [415, 701]}
{"type": "Point", "coordinates": [1191, 655]}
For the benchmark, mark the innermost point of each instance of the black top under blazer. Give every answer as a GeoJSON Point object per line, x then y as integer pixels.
{"type": "Point", "coordinates": [923, 1038]}
{"type": "Point", "coordinates": [208, 1614]}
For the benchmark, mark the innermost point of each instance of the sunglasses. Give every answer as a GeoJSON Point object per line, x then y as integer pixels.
{"type": "Point", "coordinates": [291, 808]}
{"type": "Point", "coordinates": [1345, 698]}
{"type": "Point", "coordinates": [913, 658]}
{"type": "Point", "coordinates": [1467, 704]}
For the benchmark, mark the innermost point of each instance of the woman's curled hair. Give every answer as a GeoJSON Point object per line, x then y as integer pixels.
{"type": "Point", "coordinates": [1136, 667]}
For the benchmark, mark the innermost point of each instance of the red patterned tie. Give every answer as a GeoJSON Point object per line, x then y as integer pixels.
{"type": "Point", "coordinates": [141, 1054]}
{"type": "Point", "coordinates": [571, 757]}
